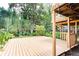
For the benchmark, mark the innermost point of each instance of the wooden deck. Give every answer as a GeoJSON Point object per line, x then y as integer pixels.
{"type": "Point", "coordinates": [33, 46]}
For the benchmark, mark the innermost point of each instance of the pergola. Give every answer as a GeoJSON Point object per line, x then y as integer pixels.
{"type": "Point", "coordinates": [68, 16]}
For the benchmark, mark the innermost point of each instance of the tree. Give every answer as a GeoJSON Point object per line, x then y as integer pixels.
{"type": "Point", "coordinates": [25, 16]}
{"type": "Point", "coordinates": [3, 14]}
{"type": "Point", "coordinates": [37, 14]}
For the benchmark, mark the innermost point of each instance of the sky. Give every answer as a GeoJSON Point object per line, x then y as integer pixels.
{"type": "Point", "coordinates": [5, 5]}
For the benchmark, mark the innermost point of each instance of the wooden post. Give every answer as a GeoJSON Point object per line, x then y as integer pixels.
{"type": "Point", "coordinates": [61, 31]}
{"type": "Point", "coordinates": [75, 27]}
{"type": "Point", "coordinates": [68, 41]}
{"type": "Point", "coordinates": [76, 31]}
{"type": "Point", "coordinates": [54, 34]}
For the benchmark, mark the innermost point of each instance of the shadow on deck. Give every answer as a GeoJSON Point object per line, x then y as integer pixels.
{"type": "Point", "coordinates": [73, 52]}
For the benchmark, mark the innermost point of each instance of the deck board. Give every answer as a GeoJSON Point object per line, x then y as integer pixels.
{"type": "Point", "coordinates": [33, 46]}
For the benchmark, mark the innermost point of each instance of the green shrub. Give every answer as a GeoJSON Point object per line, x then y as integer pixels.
{"type": "Point", "coordinates": [5, 36]}
{"type": "Point", "coordinates": [34, 34]}
{"type": "Point", "coordinates": [26, 33]}
{"type": "Point", "coordinates": [8, 36]}
{"type": "Point", "coordinates": [40, 30]}
{"type": "Point", "coordinates": [49, 34]}
{"type": "Point", "coordinates": [58, 35]}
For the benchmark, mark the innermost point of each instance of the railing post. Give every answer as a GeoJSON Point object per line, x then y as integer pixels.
{"type": "Point", "coordinates": [76, 31]}
{"type": "Point", "coordinates": [60, 31]}
{"type": "Point", "coordinates": [68, 41]}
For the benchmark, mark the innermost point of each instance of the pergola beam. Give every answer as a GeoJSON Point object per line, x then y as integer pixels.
{"type": "Point", "coordinates": [72, 21]}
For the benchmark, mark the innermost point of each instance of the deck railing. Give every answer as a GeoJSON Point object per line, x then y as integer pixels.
{"type": "Point", "coordinates": [63, 35]}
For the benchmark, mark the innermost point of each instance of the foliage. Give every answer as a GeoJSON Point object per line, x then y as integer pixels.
{"type": "Point", "coordinates": [40, 30]}
{"type": "Point", "coordinates": [21, 19]}
{"type": "Point", "coordinates": [5, 36]}
{"type": "Point", "coordinates": [58, 35]}
{"type": "Point", "coordinates": [49, 34]}
{"type": "Point", "coordinates": [37, 14]}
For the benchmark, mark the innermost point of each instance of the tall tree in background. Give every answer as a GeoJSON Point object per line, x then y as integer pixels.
{"type": "Point", "coordinates": [30, 12]}
{"type": "Point", "coordinates": [37, 14]}
{"type": "Point", "coordinates": [3, 15]}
